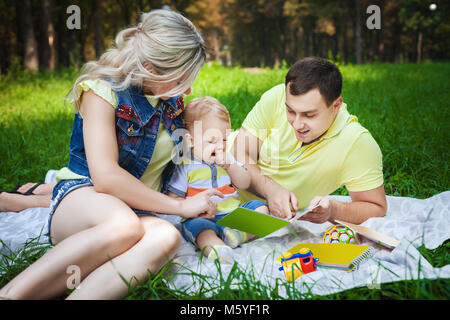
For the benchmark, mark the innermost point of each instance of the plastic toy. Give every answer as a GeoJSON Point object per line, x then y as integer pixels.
{"type": "Point", "coordinates": [339, 234]}
{"type": "Point", "coordinates": [298, 263]}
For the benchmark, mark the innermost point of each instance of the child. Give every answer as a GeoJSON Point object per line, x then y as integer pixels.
{"type": "Point", "coordinates": [207, 166]}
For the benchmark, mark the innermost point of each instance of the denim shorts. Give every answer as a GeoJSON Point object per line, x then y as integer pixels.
{"type": "Point", "coordinates": [62, 188]}
{"type": "Point", "coordinates": [191, 228]}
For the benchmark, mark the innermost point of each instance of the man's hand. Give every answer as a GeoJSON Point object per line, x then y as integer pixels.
{"type": "Point", "coordinates": [320, 214]}
{"type": "Point", "coordinates": [280, 200]}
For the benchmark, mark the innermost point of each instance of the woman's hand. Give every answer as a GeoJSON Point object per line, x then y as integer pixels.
{"type": "Point", "coordinates": [280, 200]}
{"type": "Point", "coordinates": [201, 205]}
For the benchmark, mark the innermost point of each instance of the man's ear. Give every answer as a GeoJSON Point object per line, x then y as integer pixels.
{"type": "Point", "coordinates": [337, 105]}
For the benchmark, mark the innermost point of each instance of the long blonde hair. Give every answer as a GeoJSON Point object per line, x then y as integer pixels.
{"type": "Point", "coordinates": [165, 39]}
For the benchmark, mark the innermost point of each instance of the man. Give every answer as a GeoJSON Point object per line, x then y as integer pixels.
{"type": "Point", "coordinates": [300, 144]}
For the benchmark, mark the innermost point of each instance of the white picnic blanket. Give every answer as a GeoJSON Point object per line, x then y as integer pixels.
{"type": "Point", "coordinates": [412, 221]}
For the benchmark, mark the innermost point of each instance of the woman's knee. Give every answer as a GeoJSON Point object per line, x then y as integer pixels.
{"type": "Point", "coordinates": [163, 235]}
{"type": "Point", "coordinates": [123, 230]}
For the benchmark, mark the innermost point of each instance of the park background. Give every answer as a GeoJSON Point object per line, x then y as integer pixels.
{"type": "Point", "coordinates": [395, 82]}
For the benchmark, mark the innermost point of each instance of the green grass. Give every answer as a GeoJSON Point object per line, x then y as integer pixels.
{"type": "Point", "coordinates": [405, 107]}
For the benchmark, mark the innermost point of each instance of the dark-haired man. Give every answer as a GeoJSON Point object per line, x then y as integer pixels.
{"type": "Point", "coordinates": [300, 144]}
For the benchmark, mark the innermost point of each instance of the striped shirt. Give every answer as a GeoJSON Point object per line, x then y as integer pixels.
{"type": "Point", "coordinates": [192, 177]}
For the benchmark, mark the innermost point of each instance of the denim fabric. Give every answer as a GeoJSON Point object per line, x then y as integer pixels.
{"type": "Point", "coordinates": [191, 228]}
{"type": "Point", "coordinates": [137, 124]}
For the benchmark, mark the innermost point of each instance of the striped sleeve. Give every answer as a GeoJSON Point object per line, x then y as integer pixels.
{"type": "Point", "coordinates": [178, 183]}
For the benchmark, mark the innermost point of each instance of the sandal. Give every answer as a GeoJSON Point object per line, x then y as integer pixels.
{"type": "Point", "coordinates": [28, 192]}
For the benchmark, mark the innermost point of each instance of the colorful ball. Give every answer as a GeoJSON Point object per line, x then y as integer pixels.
{"type": "Point", "coordinates": [339, 234]}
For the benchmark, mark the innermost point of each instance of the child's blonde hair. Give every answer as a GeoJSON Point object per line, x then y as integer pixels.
{"type": "Point", "coordinates": [166, 40]}
{"type": "Point", "coordinates": [198, 108]}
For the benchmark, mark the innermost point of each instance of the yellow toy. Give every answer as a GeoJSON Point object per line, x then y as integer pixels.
{"type": "Point", "coordinates": [298, 264]}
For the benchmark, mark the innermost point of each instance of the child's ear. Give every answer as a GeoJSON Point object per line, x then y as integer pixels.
{"type": "Point", "coordinates": [188, 140]}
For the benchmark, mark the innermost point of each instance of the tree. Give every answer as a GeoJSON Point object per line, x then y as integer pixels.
{"type": "Point", "coordinates": [210, 19]}
{"type": "Point", "coordinates": [421, 19]}
{"type": "Point", "coordinates": [26, 36]}
{"type": "Point", "coordinates": [358, 36]}
{"type": "Point", "coordinates": [47, 41]}
{"type": "Point", "coordinates": [98, 27]}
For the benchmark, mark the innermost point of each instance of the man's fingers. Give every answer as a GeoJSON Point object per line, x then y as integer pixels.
{"type": "Point", "coordinates": [294, 201]}
{"type": "Point", "coordinates": [315, 201]}
{"type": "Point", "coordinates": [286, 210]}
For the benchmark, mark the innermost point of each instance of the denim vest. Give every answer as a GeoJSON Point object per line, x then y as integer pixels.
{"type": "Point", "coordinates": [137, 124]}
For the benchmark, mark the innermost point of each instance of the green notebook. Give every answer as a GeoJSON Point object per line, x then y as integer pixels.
{"type": "Point", "coordinates": [256, 223]}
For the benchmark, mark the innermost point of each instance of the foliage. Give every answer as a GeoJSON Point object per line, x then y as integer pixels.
{"type": "Point", "coordinates": [248, 33]}
{"type": "Point", "coordinates": [405, 107]}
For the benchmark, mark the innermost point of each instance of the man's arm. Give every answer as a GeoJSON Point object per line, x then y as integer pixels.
{"type": "Point", "coordinates": [246, 149]}
{"type": "Point", "coordinates": [364, 205]}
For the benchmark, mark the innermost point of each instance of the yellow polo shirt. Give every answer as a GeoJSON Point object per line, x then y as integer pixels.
{"type": "Point", "coordinates": [163, 147]}
{"type": "Point", "coordinates": [346, 155]}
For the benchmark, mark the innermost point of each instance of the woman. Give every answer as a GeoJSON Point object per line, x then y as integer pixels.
{"type": "Point", "coordinates": [128, 103]}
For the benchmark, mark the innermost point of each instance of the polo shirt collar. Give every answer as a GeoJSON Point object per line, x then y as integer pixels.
{"type": "Point", "coordinates": [342, 119]}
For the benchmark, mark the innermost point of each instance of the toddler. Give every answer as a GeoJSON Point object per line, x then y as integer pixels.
{"type": "Point", "coordinates": [207, 165]}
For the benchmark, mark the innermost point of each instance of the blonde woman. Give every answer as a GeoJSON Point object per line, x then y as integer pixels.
{"type": "Point", "coordinates": [128, 104]}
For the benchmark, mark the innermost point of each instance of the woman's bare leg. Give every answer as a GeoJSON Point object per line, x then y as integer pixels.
{"type": "Point", "coordinates": [44, 188]}
{"type": "Point", "coordinates": [158, 245]}
{"type": "Point", "coordinates": [17, 202]}
{"type": "Point", "coordinates": [89, 228]}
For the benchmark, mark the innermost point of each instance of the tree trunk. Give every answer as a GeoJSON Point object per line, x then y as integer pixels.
{"type": "Point", "coordinates": [345, 40]}
{"type": "Point", "coordinates": [98, 33]}
{"type": "Point", "coordinates": [62, 47]}
{"type": "Point", "coordinates": [419, 46]}
{"type": "Point", "coordinates": [358, 38]}
{"type": "Point", "coordinates": [380, 36]}
{"type": "Point", "coordinates": [26, 36]}
{"type": "Point", "coordinates": [125, 11]}
{"type": "Point", "coordinates": [48, 37]}
{"type": "Point", "coordinates": [216, 46]}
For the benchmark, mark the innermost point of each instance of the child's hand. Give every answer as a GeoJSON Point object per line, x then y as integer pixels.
{"type": "Point", "coordinates": [221, 159]}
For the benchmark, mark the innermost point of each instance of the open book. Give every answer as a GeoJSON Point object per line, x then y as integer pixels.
{"type": "Point", "coordinates": [257, 223]}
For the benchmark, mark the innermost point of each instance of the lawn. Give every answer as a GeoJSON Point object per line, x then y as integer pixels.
{"type": "Point", "coordinates": [404, 106]}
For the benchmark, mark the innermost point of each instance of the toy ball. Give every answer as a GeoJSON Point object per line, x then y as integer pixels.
{"type": "Point", "coordinates": [339, 234]}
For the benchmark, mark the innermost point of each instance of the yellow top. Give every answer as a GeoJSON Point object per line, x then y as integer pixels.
{"type": "Point", "coordinates": [164, 144]}
{"type": "Point", "coordinates": [346, 155]}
